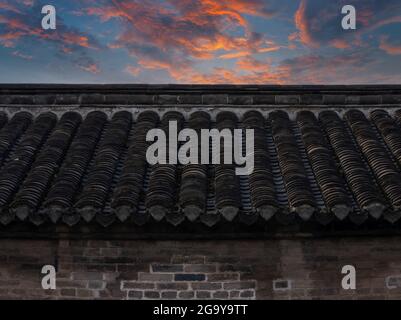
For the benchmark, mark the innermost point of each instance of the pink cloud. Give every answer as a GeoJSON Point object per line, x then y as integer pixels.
{"type": "Point", "coordinates": [389, 48]}
{"type": "Point", "coordinates": [303, 25]}
{"type": "Point", "coordinates": [132, 70]}
{"type": "Point", "coordinates": [185, 31]}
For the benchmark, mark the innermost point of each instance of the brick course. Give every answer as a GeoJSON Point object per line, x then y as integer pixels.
{"type": "Point", "coordinates": [136, 95]}
{"type": "Point", "coordinates": [206, 269]}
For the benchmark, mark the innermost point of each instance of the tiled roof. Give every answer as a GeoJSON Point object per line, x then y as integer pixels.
{"type": "Point", "coordinates": [71, 167]}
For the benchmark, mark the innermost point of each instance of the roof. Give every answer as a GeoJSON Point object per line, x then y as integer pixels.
{"type": "Point", "coordinates": [328, 163]}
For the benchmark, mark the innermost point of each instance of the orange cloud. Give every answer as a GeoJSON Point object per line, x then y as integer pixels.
{"type": "Point", "coordinates": [8, 39]}
{"type": "Point", "coordinates": [249, 70]}
{"type": "Point", "coordinates": [228, 76]}
{"type": "Point", "coordinates": [186, 30]}
{"type": "Point", "coordinates": [293, 36]}
{"type": "Point", "coordinates": [302, 24]}
{"type": "Point", "coordinates": [253, 65]}
{"type": "Point", "coordinates": [18, 27]}
{"type": "Point", "coordinates": [105, 13]}
{"type": "Point", "coordinates": [240, 54]}
{"type": "Point", "coordinates": [235, 55]}
{"type": "Point", "coordinates": [135, 71]}
{"type": "Point", "coordinates": [177, 72]}
{"type": "Point", "coordinates": [389, 48]}
{"type": "Point", "coordinates": [340, 44]}
{"type": "Point", "coordinates": [70, 38]}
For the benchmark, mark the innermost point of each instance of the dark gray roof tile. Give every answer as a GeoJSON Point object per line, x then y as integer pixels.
{"type": "Point", "coordinates": [311, 166]}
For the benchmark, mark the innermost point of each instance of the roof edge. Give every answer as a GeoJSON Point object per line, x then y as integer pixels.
{"type": "Point", "coordinates": [197, 95]}
{"type": "Point", "coordinates": [164, 231]}
{"type": "Point", "coordinates": [13, 87]}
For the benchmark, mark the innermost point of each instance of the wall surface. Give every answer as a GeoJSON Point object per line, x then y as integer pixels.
{"type": "Point", "coordinates": [248, 269]}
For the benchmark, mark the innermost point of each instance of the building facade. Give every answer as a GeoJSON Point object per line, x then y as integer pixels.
{"type": "Point", "coordinates": [77, 195]}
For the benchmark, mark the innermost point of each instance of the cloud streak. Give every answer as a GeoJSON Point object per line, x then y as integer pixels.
{"type": "Point", "coordinates": [18, 23]}
{"type": "Point", "coordinates": [389, 48]}
{"type": "Point", "coordinates": [164, 35]}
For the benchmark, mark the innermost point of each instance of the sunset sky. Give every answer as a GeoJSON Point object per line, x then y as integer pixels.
{"type": "Point", "coordinates": [201, 41]}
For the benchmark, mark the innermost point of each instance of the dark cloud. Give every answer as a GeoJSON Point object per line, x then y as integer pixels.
{"type": "Point", "coordinates": [319, 22]}
{"type": "Point", "coordinates": [20, 21]}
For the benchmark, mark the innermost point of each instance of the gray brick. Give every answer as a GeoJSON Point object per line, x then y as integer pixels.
{"type": "Point", "coordinates": [152, 294]}
{"type": "Point", "coordinates": [371, 99]}
{"type": "Point", "coordinates": [203, 294]}
{"type": "Point", "coordinates": [68, 292]}
{"type": "Point", "coordinates": [334, 99]}
{"type": "Point", "coordinates": [234, 294]}
{"type": "Point", "coordinates": [96, 284]}
{"type": "Point", "coordinates": [167, 99]}
{"type": "Point", "coordinates": [203, 268]}
{"type": "Point", "coordinates": [169, 295]}
{"type": "Point", "coordinates": [227, 276]}
{"type": "Point", "coordinates": [92, 98]}
{"type": "Point", "coordinates": [190, 99]}
{"type": "Point", "coordinates": [206, 286]}
{"type": "Point", "coordinates": [110, 252]}
{"type": "Point", "coordinates": [172, 286]}
{"type": "Point", "coordinates": [155, 277]}
{"type": "Point", "coordinates": [45, 99]}
{"type": "Point", "coordinates": [239, 285]}
{"type": "Point", "coordinates": [167, 268]}
{"type": "Point", "coordinates": [264, 99]}
{"type": "Point", "coordinates": [190, 259]}
{"type": "Point", "coordinates": [84, 293]}
{"type": "Point", "coordinates": [316, 99]}
{"type": "Point", "coordinates": [220, 295]}
{"type": "Point", "coordinates": [119, 260]}
{"type": "Point", "coordinates": [130, 99]}
{"type": "Point", "coordinates": [247, 294]}
{"type": "Point", "coordinates": [235, 268]}
{"type": "Point", "coordinates": [393, 282]}
{"type": "Point", "coordinates": [110, 277]}
{"type": "Point", "coordinates": [288, 99]}
{"type": "Point", "coordinates": [240, 100]}
{"type": "Point", "coordinates": [189, 277]}
{"type": "Point", "coordinates": [67, 99]}
{"type": "Point", "coordinates": [215, 99]}
{"type": "Point", "coordinates": [222, 259]}
{"type": "Point", "coordinates": [71, 284]}
{"type": "Point", "coordinates": [352, 99]}
{"type": "Point", "coordinates": [186, 294]}
{"type": "Point", "coordinates": [135, 294]}
{"type": "Point", "coordinates": [281, 285]}
{"type": "Point", "coordinates": [9, 283]}
{"type": "Point", "coordinates": [18, 99]}
{"type": "Point", "coordinates": [137, 285]}
{"type": "Point", "coordinates": [87, 276]}
{"type": "Point", "coordinates": [392, 98]}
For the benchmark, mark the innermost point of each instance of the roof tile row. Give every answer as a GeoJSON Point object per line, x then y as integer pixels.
{"type": "Point", "coordinates": [317, 167]}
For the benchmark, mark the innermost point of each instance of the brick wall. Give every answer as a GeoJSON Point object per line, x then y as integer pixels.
{"type": "Point", "coordinates": [261, 269]}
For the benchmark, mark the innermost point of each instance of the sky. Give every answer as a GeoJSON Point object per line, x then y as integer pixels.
{"type": "Point", "coordinates": [201, 42]}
